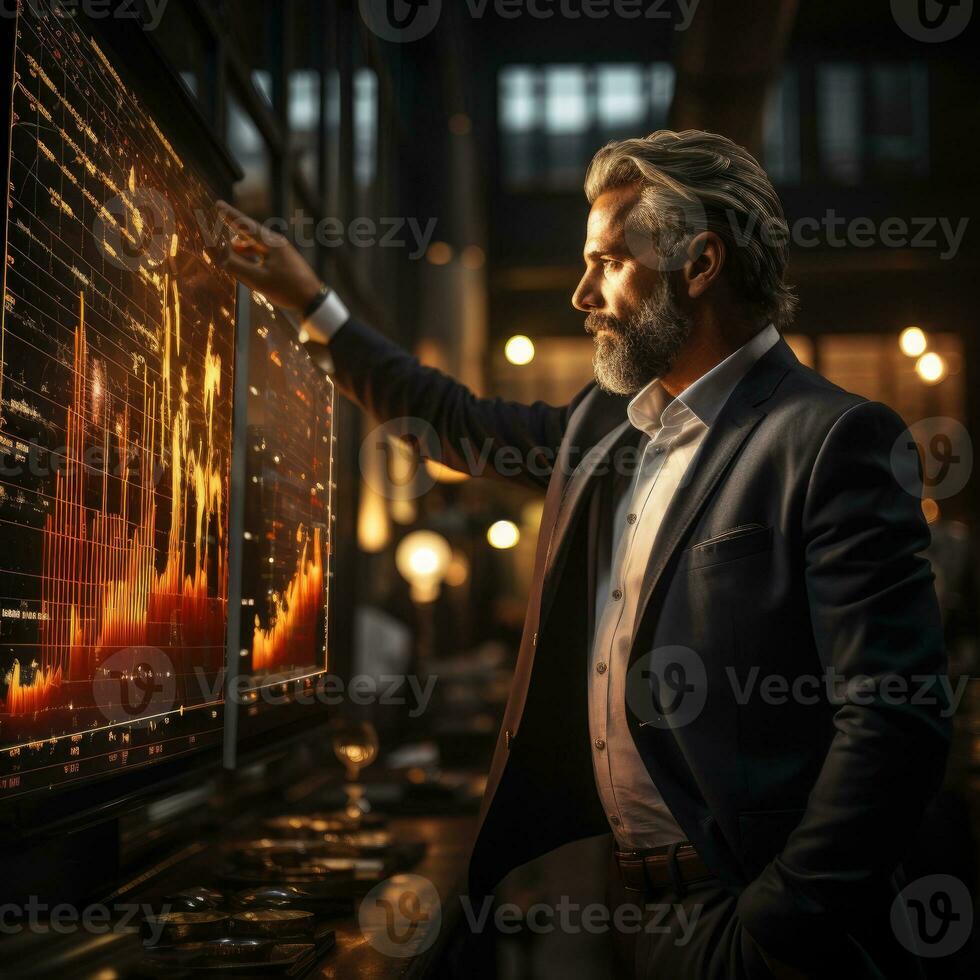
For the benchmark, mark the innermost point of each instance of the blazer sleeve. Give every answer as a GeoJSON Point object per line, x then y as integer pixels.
{"type": "Point", "coordinates": [443, 418]}
{"type": "Point", "coordinates": [877, 628]}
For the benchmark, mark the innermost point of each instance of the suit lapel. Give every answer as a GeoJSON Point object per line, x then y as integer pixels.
{"type": "Point", "coordinates": [716, 453]}
{"type": "Point", "coordinates": [734, 425]}
{"type": "Point", "coordinates": [595, 464]}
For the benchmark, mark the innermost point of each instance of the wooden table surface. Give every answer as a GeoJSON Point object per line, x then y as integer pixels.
{"type": "Point", "coordinates": [367, 957]}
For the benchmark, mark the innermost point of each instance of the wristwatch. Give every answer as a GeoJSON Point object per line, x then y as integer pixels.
{"type": "Point", "coordinates": [314, 304]}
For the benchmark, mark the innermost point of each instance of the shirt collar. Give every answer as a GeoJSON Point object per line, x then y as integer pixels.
{"type": "Point", "coordinates": [653, 408]}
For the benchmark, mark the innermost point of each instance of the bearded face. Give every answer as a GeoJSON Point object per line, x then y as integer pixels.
{"type": "Point", "coordinates": [631, 351]}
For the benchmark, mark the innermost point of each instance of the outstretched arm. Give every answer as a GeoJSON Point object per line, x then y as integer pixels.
{"type": "Point", "coordinates": [479, 436]}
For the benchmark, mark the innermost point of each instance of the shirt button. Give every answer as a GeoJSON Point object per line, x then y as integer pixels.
{"type": "Point", "coordinates": [614, 820]}
{"type": "Point", "coordinates": [631, 518]}
{"type": "Point", "coordinates": [617, 594]}
{"type": "Point", "coordinates": [660, 450]}
{"type": "Point", "coordinates": [600, 667]}
{"type": "Point", "coordinates": [600, 744]}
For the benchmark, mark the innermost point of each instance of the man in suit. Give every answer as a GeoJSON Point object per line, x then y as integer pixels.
{"type": "Point", "coordinates": [728, 596]}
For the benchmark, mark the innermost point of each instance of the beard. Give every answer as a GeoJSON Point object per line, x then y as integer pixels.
{"type": "Point", "coordinates": [641, 347]}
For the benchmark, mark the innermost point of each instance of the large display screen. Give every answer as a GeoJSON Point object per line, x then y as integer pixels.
{"type": "Point", "coordinates": [115, 426]}
{"type": "Point", "coordinates": [287, 514]}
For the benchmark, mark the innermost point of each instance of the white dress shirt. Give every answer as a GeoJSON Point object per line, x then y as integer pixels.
{"type": "Point", "coordinates": [326, 319]}
{"type": "Point", "coordinates": [673, 431]}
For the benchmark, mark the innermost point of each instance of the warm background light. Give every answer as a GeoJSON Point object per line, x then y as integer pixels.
{"type": "Point", "coordinates": [503, 534]}
{"type": "Point", "coordinates": [519, 349]}
{"type": "Point", "coordinates": [444, 474]}
{"type": "Point", "coordinates": [373, 526]}
{"type": "Point", "coordinates": [473, 257]}
{"type": "Point", "coordinates": [458, 571]}
{"type": "Point", "coordinates": [931, 368]}
{"type": "Point", "coordinates": [913, 341]}
{"type": "Point", "coordinates": [439, 253]}
{"type": "Point", "coordinates": [531, 514]}
{"type": "Point", "coordinates": [931, 510]}
{"type": "Point", "coordinates": [422, 558]}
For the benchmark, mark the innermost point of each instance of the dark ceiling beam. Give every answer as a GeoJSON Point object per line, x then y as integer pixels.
{"type": "Point", "coordinates": [726, 61]}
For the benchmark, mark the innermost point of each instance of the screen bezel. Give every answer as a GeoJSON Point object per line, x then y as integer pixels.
{"type": "Point", "coordinates": [247, 735]}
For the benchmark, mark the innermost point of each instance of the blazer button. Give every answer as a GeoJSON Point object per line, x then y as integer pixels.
{"type": "Point", "coordinates": [507, 738]}
{"type": "Point", "coordinates": [617, 594]}
{"type": "Point", "coordinates": [534, 640]}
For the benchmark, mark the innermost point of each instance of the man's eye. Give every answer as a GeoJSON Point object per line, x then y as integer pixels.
{"type": "Point", "coordinates": [610, 264]}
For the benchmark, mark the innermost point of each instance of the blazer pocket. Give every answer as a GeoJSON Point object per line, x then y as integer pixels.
{"type": "Point", "coordinates": [737, 542]}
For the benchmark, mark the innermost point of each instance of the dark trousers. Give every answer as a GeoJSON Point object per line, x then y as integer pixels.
{"type": "Point", "coordinates": [695, 934]}
{"type": "Point", "coordinates": [692, 934]}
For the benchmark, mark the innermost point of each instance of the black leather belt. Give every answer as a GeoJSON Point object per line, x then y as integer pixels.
{"type": "Point", "coordinates": [671, 866]}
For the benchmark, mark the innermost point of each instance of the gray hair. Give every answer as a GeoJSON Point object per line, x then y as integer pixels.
{"type": "Point", "coordinates": [694, 173]}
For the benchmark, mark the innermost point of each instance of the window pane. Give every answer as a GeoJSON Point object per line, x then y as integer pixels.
{"type": "Point", "coordinates": [661, 92]}
{"type": "Point", "coordinates": [516, 94]}
{"type": "Point", "coordinates": [518, 111]}
{"type": "Point", "coordinates": [552, 117]}
{"type": "Point", "coordinates": [900, 127]}
{"type": "Point", "coordinates": [565, 123]}
{"type": "Point", "coordinates": [365, 125]}
{"type": "Point", "coordinates": [304, 120]}
{"type": "Point", "coordinates": [782, 130]}
{"type": "Point", "coordinates": [565, 107]}
{"type": "Point", "coordinates": [622, 97]}
{"type": "Point", "coordinates": [839, 121]}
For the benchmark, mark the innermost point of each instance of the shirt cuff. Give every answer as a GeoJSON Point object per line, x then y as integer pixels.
{"type": "Point", "coordinates": [327, 318]}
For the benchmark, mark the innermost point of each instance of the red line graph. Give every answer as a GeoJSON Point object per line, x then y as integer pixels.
{"type": "Point", "coordinates": [101, 587]}
{"type": "Point", "coordinates": [295, 612]}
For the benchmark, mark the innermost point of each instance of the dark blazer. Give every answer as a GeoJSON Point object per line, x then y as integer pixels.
{"type": "Point", "coordinates": [792, 547]}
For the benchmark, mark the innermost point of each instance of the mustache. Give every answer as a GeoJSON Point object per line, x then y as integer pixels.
{"type": "Point", "coordinates": [594, 322]}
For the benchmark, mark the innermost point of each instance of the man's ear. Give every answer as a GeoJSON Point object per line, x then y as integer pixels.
{"type": "Point", "coordinates": [706, 257]}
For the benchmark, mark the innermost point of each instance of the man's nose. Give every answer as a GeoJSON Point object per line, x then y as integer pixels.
{"type": "Point", "coordinates": [586, 297]}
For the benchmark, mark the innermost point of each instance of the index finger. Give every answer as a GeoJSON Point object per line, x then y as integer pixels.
{"type": "Point", "coordinates": [237, 220]}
